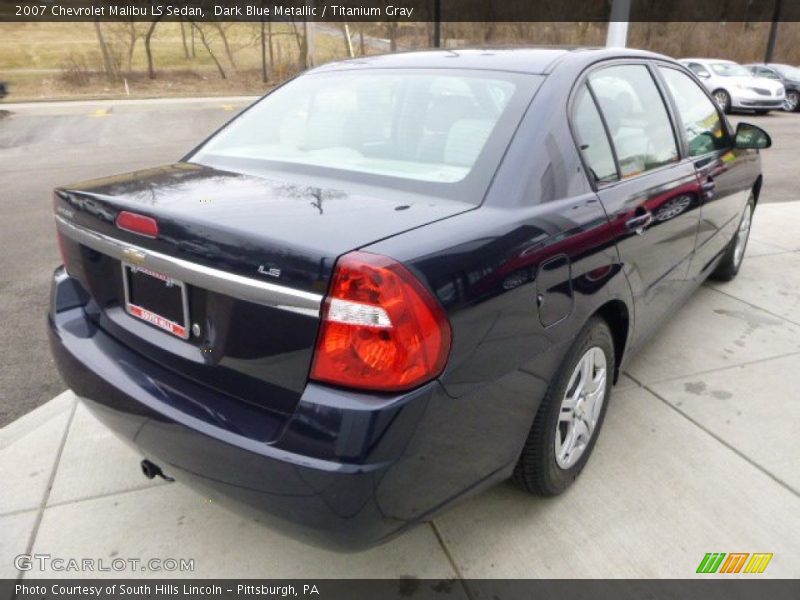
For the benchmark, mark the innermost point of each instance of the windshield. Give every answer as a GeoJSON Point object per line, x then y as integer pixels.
{"type": "Point", "coordinates": [788, 71]}
{"type": "Point", "coordinates": [430, 130]}
{"type": "Point", "coordinates": [730, 70]}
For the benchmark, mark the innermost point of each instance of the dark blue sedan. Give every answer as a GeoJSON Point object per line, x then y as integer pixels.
{"type": "Point", "coordinates": [397, 280]}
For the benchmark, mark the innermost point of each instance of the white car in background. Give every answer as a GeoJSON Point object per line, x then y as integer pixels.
{"type": "Point", "coordinates": [736, 88]}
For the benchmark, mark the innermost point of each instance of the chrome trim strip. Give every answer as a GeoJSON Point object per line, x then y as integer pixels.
{"type": "Point", "coordinates": [230, 284]}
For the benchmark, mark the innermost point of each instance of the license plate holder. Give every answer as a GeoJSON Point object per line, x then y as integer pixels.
{"type": "Point", "coordinates": [157, 299]}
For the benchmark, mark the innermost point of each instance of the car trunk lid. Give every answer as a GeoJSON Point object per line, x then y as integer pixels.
{"type": "Point", "coordinates": [255, 255]}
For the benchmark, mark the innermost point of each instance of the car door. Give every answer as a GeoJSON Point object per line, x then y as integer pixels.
{"type": "Point", "coordinates": [722, 172]}
{"type": "Point", "coordinates": [649, 193]}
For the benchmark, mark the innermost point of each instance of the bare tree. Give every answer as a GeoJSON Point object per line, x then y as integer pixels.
{"type": "Point", "coordinates": [183, 39]}
{"type": "Point", "coordinates": [109, 64]}
{"type": "Point", "coordinates": [348, 41]}
{"type": "Point", "coordinates": [271, 50]}
{"type": "Point", "coordinates": [151, 72]}
{"type": "Point", "coordinates": [220, 27]}
{"type": "Point", "coordinates": [209, 50]}
{"type": "Point", "coordinates": [302, 46]}
{"type": "Point", "coordinates": [264, 75]}
{"type": "Point", "coordinates": [391, 33]}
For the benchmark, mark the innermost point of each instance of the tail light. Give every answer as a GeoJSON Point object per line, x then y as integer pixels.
{"type": "Point", "coordinates": [381, 330]}
{"type": "Point", "coordinates": [136, 223]}
{"type": "Point", "coordinates": [60, 236]}
{"type": "Point", "coordinates": [63, 249]}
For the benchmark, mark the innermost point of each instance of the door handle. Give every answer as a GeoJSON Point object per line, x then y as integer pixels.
{"type": "Point", "coordinates": [640, 222]}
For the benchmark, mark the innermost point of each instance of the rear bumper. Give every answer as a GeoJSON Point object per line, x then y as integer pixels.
{"type": "Point", "coordinates": [345, 470]}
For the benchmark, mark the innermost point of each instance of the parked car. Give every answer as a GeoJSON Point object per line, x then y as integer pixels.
{"type": "Point", "coordinates": [736, 88]}
{"type": "Point", "coordinates": [788, 75]}
{"type": "Point", "coordinates": [395, 281]}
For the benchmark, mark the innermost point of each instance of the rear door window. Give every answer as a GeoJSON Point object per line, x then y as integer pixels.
{"type": "Point", "coordinates": [636, 116]}
{"type": "Point", "coordinates": [702, 124]}
{"type": "Point", "coordinates": [592, 138]}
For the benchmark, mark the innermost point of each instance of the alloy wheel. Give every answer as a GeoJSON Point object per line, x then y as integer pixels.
{"type": "Point", "coordinates": [722, 99]}
{"type": "Point", "coordinates": [581, 407]}
{"type": "Point", "coordinates": [742, 235]}
{"type": "Point", "coordinates": [791, 101]}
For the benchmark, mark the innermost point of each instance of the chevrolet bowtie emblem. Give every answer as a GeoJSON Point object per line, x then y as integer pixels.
{"type": "Point", "coordinates": [133, 256]}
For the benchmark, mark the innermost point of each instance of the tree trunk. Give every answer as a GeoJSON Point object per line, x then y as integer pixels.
{"type": "Point", "coordinates": [191, 30]}
{"type": "Point", "coordinates": [392, 29]}
{"type": "Point", "coordinates": [361, 41]}
{"type": "Point", "coordinates": [310, 37]}
{"type": "Point", "coordinates": [132, 46]}
{"type": "Point", "coordinates": [183, 39]}
{"type": "Point", "coordinates": [348, 41]}
{"type": "Point", "coordinates": [302, 47]}
{"type": "Point", "coordinates": [210, 52]}
{"type": "Point", "coordinates": [228, 53]}
{"type": "Point", "coordinates": [151, 72]}
{"type": "Point", "coordinates": [108, 62]}
{"type": "Point", "coordinates": [264, 77]}
{"type": "Point", "coordinates": [271, 51]}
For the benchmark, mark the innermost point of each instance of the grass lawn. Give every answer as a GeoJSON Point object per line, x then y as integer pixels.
{"type": "Point", "coordinates": [38, 60]}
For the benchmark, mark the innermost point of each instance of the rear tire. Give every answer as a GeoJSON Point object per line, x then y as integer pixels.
{"type": "Point", "coordinates": [732, 260]}
{"type": "Point", "coordinates": [571, 415]}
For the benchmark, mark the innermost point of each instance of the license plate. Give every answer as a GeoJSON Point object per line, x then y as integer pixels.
{"type": "Point", "coordinates": [156, 299]}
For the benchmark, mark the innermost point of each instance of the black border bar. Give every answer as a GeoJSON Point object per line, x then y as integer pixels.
{"type": "Point", "coordinates": [714, 587]}
{"type": "Point", "coordinates": [402, 11]}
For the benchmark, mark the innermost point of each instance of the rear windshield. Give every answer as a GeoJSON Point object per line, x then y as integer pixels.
{"type": "Point", "coordinates": [432, 131]}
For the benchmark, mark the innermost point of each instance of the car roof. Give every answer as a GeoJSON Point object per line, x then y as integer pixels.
{"type": "Point", "coordinates": [708, 60]}
{"type": "Point", "coordinates": [533, 60]}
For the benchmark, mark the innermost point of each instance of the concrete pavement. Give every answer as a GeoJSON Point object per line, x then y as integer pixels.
{"type": "Point", "coordinates": [699, 453]}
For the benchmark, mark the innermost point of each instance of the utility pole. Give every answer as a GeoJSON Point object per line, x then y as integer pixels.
{"type": "Point", "coordinates": [773, 31]}
{"type": "Point", "coordinates": [617, 36]}
{"type": "Point", "coordinates": [437, 23]}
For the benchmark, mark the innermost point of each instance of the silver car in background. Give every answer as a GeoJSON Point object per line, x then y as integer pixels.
{"type": "Point", "coordinates": [736, 88]}
{"type": "Point", "coordinates": [788, 75]}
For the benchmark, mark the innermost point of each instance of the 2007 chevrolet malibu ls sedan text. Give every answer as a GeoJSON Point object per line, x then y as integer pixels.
{"type": "Point", "coordinates": [397, 280]}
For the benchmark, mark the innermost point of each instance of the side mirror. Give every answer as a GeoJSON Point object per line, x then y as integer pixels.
{"type": "Point", "coordinates": [751, 137]}
{"type": "Point", "coordinates": [704, 75]}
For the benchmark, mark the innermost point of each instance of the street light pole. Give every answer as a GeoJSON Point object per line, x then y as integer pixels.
{"type": "Point", "coordinates": [437, 23]}
{"type": "Point", "coordinates": [617, 36]}
{"type": "Point", "coordinates": [773, 31]}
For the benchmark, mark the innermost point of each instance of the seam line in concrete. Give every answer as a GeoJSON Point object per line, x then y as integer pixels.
{"type": "Point", "coordinates": [770, 244]}
{"type": "Point", "coordinates": [19, 511]}
{"type": "Point", "coordinates": [750, 304]}
{"type": "Point", "coordinates": [43, 505]}
{"type": "Point", "coordinates": [147, 486]}
{"type": "Point", "coordinates": [722, 441]}
{"type": "Point", "coordinates": [725, 368]}
{"type": "Point", "coordinates": [451, 560]}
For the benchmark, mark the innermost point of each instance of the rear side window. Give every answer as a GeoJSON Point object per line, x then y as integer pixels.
{"type": "Point", "coordinates": [702, 124]}
{"type": "Point", "coordinates": [698, 69]}
{"type": "Point", "coordinates": [592, 138]}
{"type": "Point", "coordinates": [636, 117]}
